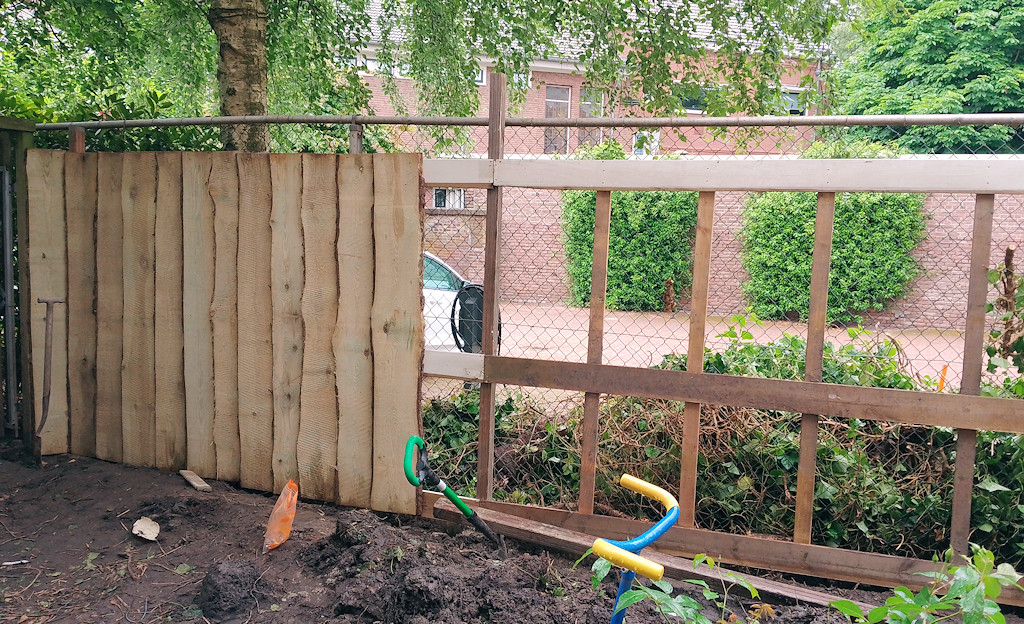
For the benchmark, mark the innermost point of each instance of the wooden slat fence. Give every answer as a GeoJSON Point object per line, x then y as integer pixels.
{"type": "Point", "coordinates": [252, 317]}
{"type": "Point", "coordinates": [966, 411]}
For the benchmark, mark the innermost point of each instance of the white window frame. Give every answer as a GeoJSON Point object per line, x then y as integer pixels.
{"type": "Point", "coordinates": [652, 143]}
{"type": "Point", "coordinates": [481, 77]}
{"type": "Point", "coordinates": [794, 91]}
{"type": "Point", "coordinates": [455, 199]}
{"type": "Point", "coordinates": [568, 108]}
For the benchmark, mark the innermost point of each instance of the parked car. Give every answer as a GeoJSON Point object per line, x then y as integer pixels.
{"type": "Point", "coordinates": [441, 284]}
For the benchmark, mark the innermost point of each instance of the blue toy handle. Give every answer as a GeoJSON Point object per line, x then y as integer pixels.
{"type": "Point", "coordinates": [626, 553]}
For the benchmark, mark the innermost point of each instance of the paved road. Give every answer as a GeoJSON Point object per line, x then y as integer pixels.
{"type": "Point", "coordinates": [557, 332]}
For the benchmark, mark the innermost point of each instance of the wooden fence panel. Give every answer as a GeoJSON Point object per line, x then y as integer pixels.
{"type": "Point", "coordinates": [255, 350]}
{"type": "Point", "coordinates": [46, 254]}
{"type": "Point", "coordinates": [171, 450]}
{"type": "Point", "coordinates": [317, 444]}
{"type": "Point", "coordinates": [109, 307]}
{"type": "Point", "coordinates": [138, 361]}
{"type": "Point", "coordinates": [235, 296]}
{"type": "Point", "coordinates": [397, 324]}
{"type": "Point", "coordinates": [197, 297]}
{"type": "Point", "coordinates": [224, 314]}
{"type": "Point", "coordinates": [353, 350]}
{"type": "Point", "coordinates": [286, 292]}
{"type": "Point", "coordinates": [80, 200]}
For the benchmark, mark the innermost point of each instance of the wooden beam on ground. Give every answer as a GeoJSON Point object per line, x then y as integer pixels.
{"type": "Point", "coordinates": [817, 314]}
{"type": "Point", "coordinates": [575, 544]}
{"type": "Point", "coordinates": [595, 344]}
{"type": "Point", "coordinates": [885, 404]}
{"type": "Point", "coordinates": [741, 550]}
{"type": "Point", "coordinates": [974, 348]}
{"type": "Point", "coordinates": [690, 444]}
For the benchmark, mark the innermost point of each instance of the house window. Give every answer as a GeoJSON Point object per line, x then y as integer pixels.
{"type": "Point", "coordinates": [791, 103]}
{"type": "Point", "coordinates": [691, 98]}
{"type": "Point", "coordinates": [449, 199]}
{"type": "Point", "coordinates": [645, 142]}
{"type": "Point", "coordinates": [480, 78]}
{"type": "Point", "coordinates": [522, 81]}
{"type": "Point", "coordinates": [591, 105]}
{"type": "Point", "coordinates": [556, 106]}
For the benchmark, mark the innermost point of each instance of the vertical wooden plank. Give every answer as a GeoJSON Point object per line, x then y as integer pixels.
{"type": "Point", "coordinates": [317, 445]}
{"type": "Point", "coordinates": [695, 356]}
{"type": "Point", "coordinates": [171, 449]}
{"type": "Point", "coordinates": [22, 143]}
{"type": "Point", "coordinates": [197, 297]}
{"type": "Point", "coordinates": [45, 172]}
{"type": "Point", "coordinates": [595, 344]}
{"type": "Point", "coordinates": [224, 313]}
{"type": "Point", "coordinates": [109, 306]}
{"type": "Point", "coordinates": [974, 345]}
{"type": "Point", "coordinates": [353, 351]}
{"type": "Point", "coordinates": [498, 108]}
{"type": "Point", "coordinates": [820, 263]}
{"type": "Point", "coordinates": [286, 282]}
{"type": "Point", "coordinates": [138, 361]}
{"type": "Point", "coordinates": [255, 350]}
{"type": "Point", "coordinates": [397, 321]}
{"type": "Point", "coordinates": [80, 199]}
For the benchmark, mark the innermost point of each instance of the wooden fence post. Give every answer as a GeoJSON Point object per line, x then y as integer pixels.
{"type": "Point", "coordinates": [820, 263]}
{"type": "Point", "coordinates": [974, 345]}
{"type": "Point", "coordinates": [355, 138]}
{"type": "Point", "coordinates": [595, 343]}
{"type": "Point", "coordinates": [76, 140]}
{"type": "Point", "coordinates": [495, 151]}
{"type": "Point", "coordinates": [690, 444]}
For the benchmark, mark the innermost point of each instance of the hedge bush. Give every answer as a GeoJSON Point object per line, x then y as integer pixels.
{"type": "Point", "coordinates": [873, 240]}
{"type": "Point", "coordinates": [650, 242]}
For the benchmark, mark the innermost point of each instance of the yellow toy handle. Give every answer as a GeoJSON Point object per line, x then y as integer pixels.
{"type": "Point", "coordinates": [649, 490]}
{"type": "Point", "coordinates": [626, 559]}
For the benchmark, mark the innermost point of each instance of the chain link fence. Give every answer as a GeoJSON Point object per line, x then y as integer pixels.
{"type": "Point", "coordinates": [899, 274]}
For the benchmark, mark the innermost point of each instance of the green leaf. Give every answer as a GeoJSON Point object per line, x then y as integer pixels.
{"type": "Point", "coordinates": [184, 568]}
{"type": "Point", "coordinates": [629, 598]}
{"type": "Point", "coordinates": [600, 570]}
{"type": "Point", "coordinates": [989, 485]}
{"type": "Point", "coordinates": [848, 608]}
{"type": "Point", "coordinates": [877, 614]}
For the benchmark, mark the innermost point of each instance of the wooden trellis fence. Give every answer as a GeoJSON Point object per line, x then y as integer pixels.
{"type": "Point", "coordinates": [966, 411]}
{"type": "Point", "coordinates": [253, 317]}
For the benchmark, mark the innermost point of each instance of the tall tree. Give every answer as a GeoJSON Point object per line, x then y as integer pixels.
{"type": "Point", "coordinates": [283, 56]}
{"type": "Point", "coordinates": [950, 56]}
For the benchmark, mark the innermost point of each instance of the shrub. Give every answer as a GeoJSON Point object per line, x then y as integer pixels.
{"type": "Point", "coordinates": [872, 252]}
{"type": "Point", "coordinates": [873, 240]}
{"type": "Point", "coordinates": [651, 241]}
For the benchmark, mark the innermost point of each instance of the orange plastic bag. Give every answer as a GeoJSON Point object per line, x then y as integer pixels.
{"type": "Point", "coordinates": [280, 525]}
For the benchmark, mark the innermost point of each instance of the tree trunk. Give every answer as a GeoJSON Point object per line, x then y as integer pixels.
{"type": "Point", "coordinates": [241, 29]}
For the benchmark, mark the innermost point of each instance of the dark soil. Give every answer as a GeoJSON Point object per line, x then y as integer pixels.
{"type": "Point", "coordinates": [71, 520]}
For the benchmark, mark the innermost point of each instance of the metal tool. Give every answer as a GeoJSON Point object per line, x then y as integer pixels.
{"type": "Point", "coordinates": [626, 553]}
{"type": "Point", "coordinates": [423, 475]}
{"type": "Point", "coordinates": [47, 359]}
